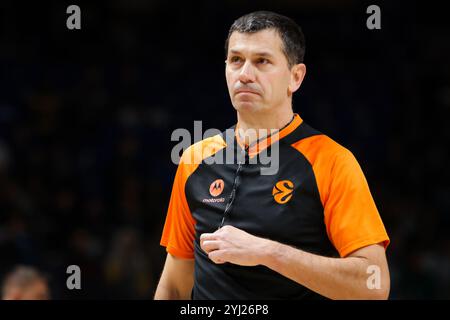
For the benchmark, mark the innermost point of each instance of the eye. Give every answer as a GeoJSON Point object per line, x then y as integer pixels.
{"type": "Point", "coordinates": [235, 59]}
{"type": "Point", "coordinates": [262, 61]}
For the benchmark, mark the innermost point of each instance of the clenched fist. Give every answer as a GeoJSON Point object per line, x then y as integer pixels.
{"type": "Point", "coordinates": [230, 244]}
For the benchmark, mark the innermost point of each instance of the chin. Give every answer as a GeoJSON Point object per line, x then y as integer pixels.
{"type": "Point", "coordinates": [246, 106]}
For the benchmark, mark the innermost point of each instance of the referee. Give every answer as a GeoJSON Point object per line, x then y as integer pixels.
{"type": "Point", "coordinates": [312, 230]}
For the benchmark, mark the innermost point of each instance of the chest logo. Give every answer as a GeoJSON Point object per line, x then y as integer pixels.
{"type": "Point", "coordinates": [216, 188]}
{"type": "Point", "coordinates": [282, 192]}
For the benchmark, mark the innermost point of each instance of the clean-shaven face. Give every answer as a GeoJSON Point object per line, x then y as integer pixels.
{"type": "Point", "coordinates": [257, 71]}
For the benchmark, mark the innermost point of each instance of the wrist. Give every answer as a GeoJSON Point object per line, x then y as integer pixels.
{"type": "Point", "coordinates": [270, 253]}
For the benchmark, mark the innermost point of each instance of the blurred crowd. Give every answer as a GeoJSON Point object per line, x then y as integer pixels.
{"type": "Point", "coordinates": [86, 119]}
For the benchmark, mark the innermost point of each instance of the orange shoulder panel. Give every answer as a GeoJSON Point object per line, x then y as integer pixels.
{"type": "Point", "coordinates": [350, 214]}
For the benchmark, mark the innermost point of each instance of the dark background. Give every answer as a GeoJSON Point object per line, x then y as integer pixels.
{"type": "Point", "coordinates": [86, 118]}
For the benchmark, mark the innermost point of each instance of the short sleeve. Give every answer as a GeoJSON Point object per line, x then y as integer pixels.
{"type": "Point", "coordinates": [179, 228]}
{"type": "Point", "coordinates": [351, 216]}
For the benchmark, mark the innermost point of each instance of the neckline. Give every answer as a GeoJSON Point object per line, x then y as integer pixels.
{"type": "Point", "coordinates": [261, 144]}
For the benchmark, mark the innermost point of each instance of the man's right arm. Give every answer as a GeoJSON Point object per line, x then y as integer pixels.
{"type": "Point", "coordinates": [177, 279]}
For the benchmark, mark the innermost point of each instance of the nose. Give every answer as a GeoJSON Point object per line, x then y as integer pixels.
{"type": "Point", "coordinates": [247, 74]}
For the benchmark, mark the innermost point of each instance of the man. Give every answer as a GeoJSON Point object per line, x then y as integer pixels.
{"type": "Point", "coordinates": [25, 283]}
{"type": "Point", "coordinates": [311, 230]}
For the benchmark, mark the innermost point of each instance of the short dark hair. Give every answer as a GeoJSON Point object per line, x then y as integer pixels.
{"type": "Point", "coordinates": [290, 32]}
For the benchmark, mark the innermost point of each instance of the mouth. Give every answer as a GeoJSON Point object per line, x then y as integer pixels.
{"type": "Point", "coordinates": [246, 92]}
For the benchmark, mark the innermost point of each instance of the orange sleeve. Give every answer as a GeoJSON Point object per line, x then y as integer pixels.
{"type": "Point", "coordinates": [179, 229]}
{"type": "Point", "coordinates": [350, 214]}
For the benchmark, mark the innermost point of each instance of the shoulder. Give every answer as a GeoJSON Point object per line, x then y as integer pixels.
{"type": "Point", "coordinates": [321, 148]}
{"type": "Point", "coordinates": [200, 150]}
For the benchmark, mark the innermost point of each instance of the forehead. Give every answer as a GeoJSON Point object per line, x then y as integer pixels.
{"type": "Point", "coordinates": [267, 40]}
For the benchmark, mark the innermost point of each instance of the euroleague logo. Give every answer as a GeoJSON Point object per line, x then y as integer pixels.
{"type": "Point", "coordinates": [282, 192]}
{"type": "Point", "coordinates": [216, 188]}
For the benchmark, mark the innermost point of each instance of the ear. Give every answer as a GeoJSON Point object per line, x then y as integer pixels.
{"type": "Point", "coordinates": [298, 72]}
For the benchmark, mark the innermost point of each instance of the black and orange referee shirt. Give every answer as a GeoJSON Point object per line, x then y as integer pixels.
{"type": "Point", "coordinates": [318, 201]}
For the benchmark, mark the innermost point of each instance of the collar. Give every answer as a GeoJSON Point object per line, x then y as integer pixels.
{"type": "Point", "coordinates": [261, 144]}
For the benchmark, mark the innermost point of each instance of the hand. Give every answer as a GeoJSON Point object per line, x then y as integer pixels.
{"type": "Point", "coordinates": [230, 244]}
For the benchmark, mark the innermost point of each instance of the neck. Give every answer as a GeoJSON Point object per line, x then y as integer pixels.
{"type": "Point", "coordinates": [268, 121]}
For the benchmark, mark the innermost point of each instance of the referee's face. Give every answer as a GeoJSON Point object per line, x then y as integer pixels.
{"type": "Point", "coordinates": [257, 72]}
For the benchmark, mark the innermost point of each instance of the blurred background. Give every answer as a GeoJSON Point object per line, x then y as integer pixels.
{"type": "Point", "coordinates": [86, 118]}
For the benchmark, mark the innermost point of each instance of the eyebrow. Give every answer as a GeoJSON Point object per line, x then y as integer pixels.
{"type": "Point", "coordinates": [259, 54]}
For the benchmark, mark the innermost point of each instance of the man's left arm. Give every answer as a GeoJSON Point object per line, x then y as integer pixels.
{"type": "Point", "coordinates": [334, 278]}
